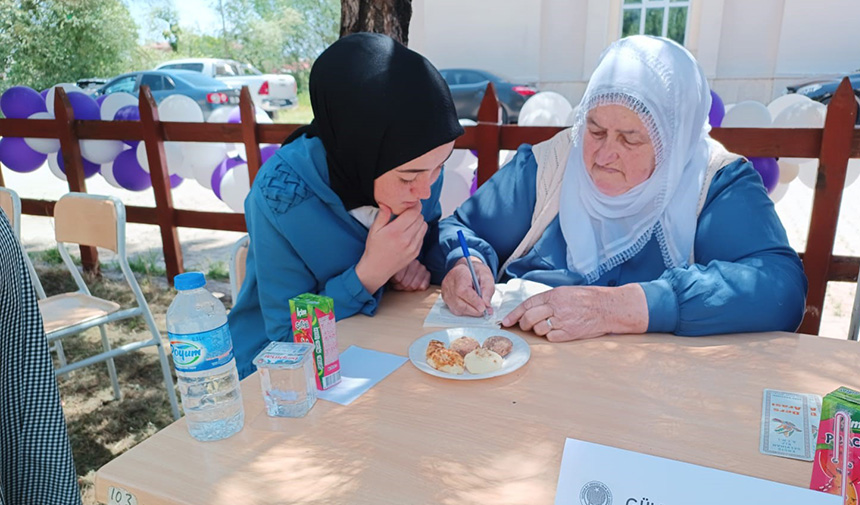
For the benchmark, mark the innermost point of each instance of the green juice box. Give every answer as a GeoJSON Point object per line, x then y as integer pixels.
{"type": "Point", "coordinates": [313, 322]}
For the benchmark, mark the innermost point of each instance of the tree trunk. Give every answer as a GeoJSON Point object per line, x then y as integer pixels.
{"type": "Point", "coordinates": [390, 17]}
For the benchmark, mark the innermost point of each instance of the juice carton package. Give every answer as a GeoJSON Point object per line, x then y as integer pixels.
{"type": "Point", "coordinates": [828, 463]}
{"type": "Point", "coordinates": [313, 322]}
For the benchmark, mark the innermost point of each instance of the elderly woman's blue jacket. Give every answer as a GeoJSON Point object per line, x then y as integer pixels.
{"type": "Point", "coordinates": [303, 240]}
{"type": "Point", "coordinates": [745, 277]}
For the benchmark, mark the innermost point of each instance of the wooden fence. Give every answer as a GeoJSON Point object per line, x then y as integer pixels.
{"type": "Point", "coordinates": [833, 145]}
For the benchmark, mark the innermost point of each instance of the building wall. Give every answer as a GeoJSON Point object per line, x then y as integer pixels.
{"type": "Point", "coordinates": [749, 49]}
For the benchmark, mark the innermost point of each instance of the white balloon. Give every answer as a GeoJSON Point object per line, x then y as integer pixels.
{"type": "Point", "coordinates": [787, 171]}
{"type": "Point", "coordinates": [173, 153]}
{"type": "Point", "coordinates": [101, 151]}
{"type": "Point", "coordinates": [204, 154]}
{"type": "Point", "coordinates": [467, 122]}
{"type": "Point", "coordinates": [455, 191]}
{"type": "Point", "coordinates": [107, 172]}
{"type": "Point", "coordinates": [220, 115]}
{"type": "Point", "coordinates": [808, 173]}
{"type": "Point", "coordinates": [781, 103]}
{"type": "Point", "coordinates": [235, 186]}
{"type": "Point", "coordinates": [68, 87]}
{"type": "Point", "coordinates": [505, 156]}
{"type": "Point", "coordinates": [853, 171]}
{"type": "Point", "coordinates": [546, 108]}
{"type": "Point", "coordinates": [749, 114]}
{"type": "Point", "coordinates": [203, 174]}
{"type": "Point", "coordinates": [44, 146]}
{"type": "Point", "coordinates": [114, 102]}
{"type": "Point", "coordinates": [54, 166]}
{"type": "Point", "coordinates": [261, 117]}
{"type": "Point", "coordinates": [804, 114]}
{"type": "Point", "coordinates": [778, 192]}
{"type": "Point", "coordinates": [180, 108]}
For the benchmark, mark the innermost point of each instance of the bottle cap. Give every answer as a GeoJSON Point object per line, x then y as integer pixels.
{"type": "Point", "coordinates": [189, 280]}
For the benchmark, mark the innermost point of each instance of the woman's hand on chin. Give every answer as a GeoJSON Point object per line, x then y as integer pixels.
{"type": "Point", "coordinates": [580, 312]}
{"type": "Point", "coordinates": [414, 277]}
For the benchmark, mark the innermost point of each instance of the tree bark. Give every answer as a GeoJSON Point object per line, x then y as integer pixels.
{"type": "Point", "coordinates": [390, 17]}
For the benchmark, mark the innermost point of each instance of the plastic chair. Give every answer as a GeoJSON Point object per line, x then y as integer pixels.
{"type": "Point", "coordinates": [92, 220]}
{"type": "Point", "coordinates": [238, 256]}
{"type": "Point", "coordinates": [11, 205]}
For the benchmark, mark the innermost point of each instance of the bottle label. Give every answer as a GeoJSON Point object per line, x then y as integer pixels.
{"type": "Point", "coordinates": [198, 352]}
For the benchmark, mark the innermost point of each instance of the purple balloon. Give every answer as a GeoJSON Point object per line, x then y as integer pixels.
{"type": "Point", "coordinates": [222, 169]}
{"type": "Point", "coordinates": [768, 169]}
{"type": "Point", "coordinates": [717, 112]}
{"type": "Point", "coordinates": [267, 152]}
{"type": "Point", "coordinates": [235, 116]}
{"type": "Point", "coordinates": [128, 174]}
{"type": "Point", "coordinates": [101, 99]}
{"type": "Point", "coordinates": [128, 113]}
{"type": "Point", "coordinates": [44, 95]}
{"type": "Point", "coordinates": [90, 168]}
{"type": "Point", "coordinates": [84, 107]}
{"type": "Point", "coordinates": [17, 155]}
{"type": "Point", "coordinates": [21, 102]}
{"type": "Point", "coordinates": [474, 184]}
{"type": "Point", "coordinates": [175, 181]}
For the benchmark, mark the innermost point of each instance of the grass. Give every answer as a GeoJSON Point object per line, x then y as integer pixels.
{"type": "Point", "coordinates": [218, 271]}
{"type": "Point", "coordinates": [51, 257]}
{"type": "Point", "coordinates": [147, 264]}
{"type": "Point", "coordinates": [300, 114]}
{"type": "Point", "coordinates": [100, 427]}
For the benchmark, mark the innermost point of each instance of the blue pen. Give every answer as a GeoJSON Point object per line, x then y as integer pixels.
{"type": "Point", "coordinates": [471, 268]}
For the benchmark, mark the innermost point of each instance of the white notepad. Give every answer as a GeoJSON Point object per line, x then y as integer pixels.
{"type": "Point", "coordinates": [505, 299]}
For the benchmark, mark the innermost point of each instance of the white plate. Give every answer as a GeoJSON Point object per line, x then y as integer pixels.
{"type": "Point", "coordinates": [518, 356]}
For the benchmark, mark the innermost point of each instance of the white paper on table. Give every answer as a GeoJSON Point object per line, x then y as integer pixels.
{"type": "Point", "coordinates": [360, 370]}
{"type": "Point", "coordinates": [505, 299]}
{"type": "Point", "coordinates": [594, 474]}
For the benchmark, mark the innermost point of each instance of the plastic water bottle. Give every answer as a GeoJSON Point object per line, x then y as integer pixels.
{"type": "Point", "coordinates": [203, 357]}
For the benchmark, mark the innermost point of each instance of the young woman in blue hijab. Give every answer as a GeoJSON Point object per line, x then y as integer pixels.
{"type": "Point", "coordinates": [347, 205]}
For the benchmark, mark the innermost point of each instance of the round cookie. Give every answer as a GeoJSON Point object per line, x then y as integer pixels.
{"type": "Point", "coordinates": [498, 344]}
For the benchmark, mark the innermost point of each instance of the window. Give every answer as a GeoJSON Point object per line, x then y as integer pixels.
{"type": "Point", "coordinates": [466, 77]}
{"type": "Point", "coordinates": [196, 67]}
{"type": "Point", "coordinates": [225, 69]}
{"type": "Point", "coordinates": [124, 84]}
{"type": "Point", "coordinates": [666, 18]}
{"type": "Point", "coordinates": [154, 81]}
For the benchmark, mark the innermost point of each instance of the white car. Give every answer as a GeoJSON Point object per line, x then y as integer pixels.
{"type": "Point", "coordinates": [270, 92]}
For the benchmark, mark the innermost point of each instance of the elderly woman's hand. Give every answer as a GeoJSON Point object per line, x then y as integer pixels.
{"type": "Point", "coordinates": [580, 312]}
{"type": "Point", "coordinates": [459, 293]}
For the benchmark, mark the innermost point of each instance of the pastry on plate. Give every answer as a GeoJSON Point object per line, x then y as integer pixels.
{"type": "Point", "coordinates": [498, 344]}
{"type": "Point", "coordinates": [464, 345]}
{"type": "Point", "coordinates": [433, 346]}
{"type": "Point", "coordinates": [446, 360]}
{"type": "Point", "coordinates": [481, 361]}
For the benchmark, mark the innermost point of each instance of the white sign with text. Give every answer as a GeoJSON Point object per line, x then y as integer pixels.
{"type": "Point", "coordinates": [593, 474]}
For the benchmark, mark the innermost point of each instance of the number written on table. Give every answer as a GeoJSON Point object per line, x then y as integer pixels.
{"type": "Point", "coordinates": [119, 496]}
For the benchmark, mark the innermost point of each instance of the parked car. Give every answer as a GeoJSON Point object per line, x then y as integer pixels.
{"type": "Point", "coordinates": [822, 90]}
{"type": "Point", "coordinates": [207, 92]}
{"type": "Point", "coordinates": [91, 85]}
{"type": "Point", "coordinates": [468, 86]}
{"type": "Point", "coordinates": [270, 92]}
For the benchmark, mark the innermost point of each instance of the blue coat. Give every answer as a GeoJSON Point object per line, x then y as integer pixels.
{"type": "Point", "coordinates": [745, 278]}
{"type": "Point", "coordinates": [303, 240]}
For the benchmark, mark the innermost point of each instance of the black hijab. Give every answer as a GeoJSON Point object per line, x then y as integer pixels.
{"type": "Point", "coordinates": [376, 106]}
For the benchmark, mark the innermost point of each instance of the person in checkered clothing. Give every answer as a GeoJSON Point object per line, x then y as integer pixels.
{"type": "Point", "coordinates": [36, 466]}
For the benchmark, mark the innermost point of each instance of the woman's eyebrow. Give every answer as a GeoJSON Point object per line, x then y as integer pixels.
{"type": "Point", "coordinates": [414, 170]}
{"type": "Point", "coordinates": [591, 121]}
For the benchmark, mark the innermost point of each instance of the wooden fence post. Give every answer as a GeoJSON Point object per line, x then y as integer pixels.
{"type": "Point", "coordinates": [153, 136]}
{"type": "Point", "coordinates": [249, 133]}
{"type": "Point", "coordinates": [73, 165]}
{"type": "Point", "coordinates": [835, 151]}
{"type": "Point", "coordinates": [488, 131]}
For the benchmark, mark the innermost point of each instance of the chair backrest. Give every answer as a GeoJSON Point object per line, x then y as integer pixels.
{"type": "Point", "coordinates": [238, 256]}
{"type": "Point", "coordinates": [92, 220]}
{"type": "Point", "coordinates": [11, 205]}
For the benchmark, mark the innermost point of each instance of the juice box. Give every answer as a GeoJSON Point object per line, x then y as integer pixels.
{"type": "Point", "coordinates": [313, 322]}
{"type": "Point", "coordinates": [827, 473]}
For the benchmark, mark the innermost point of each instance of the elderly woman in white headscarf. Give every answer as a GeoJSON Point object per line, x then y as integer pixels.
{"type": "Point", "coordinates": [636, 217]}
